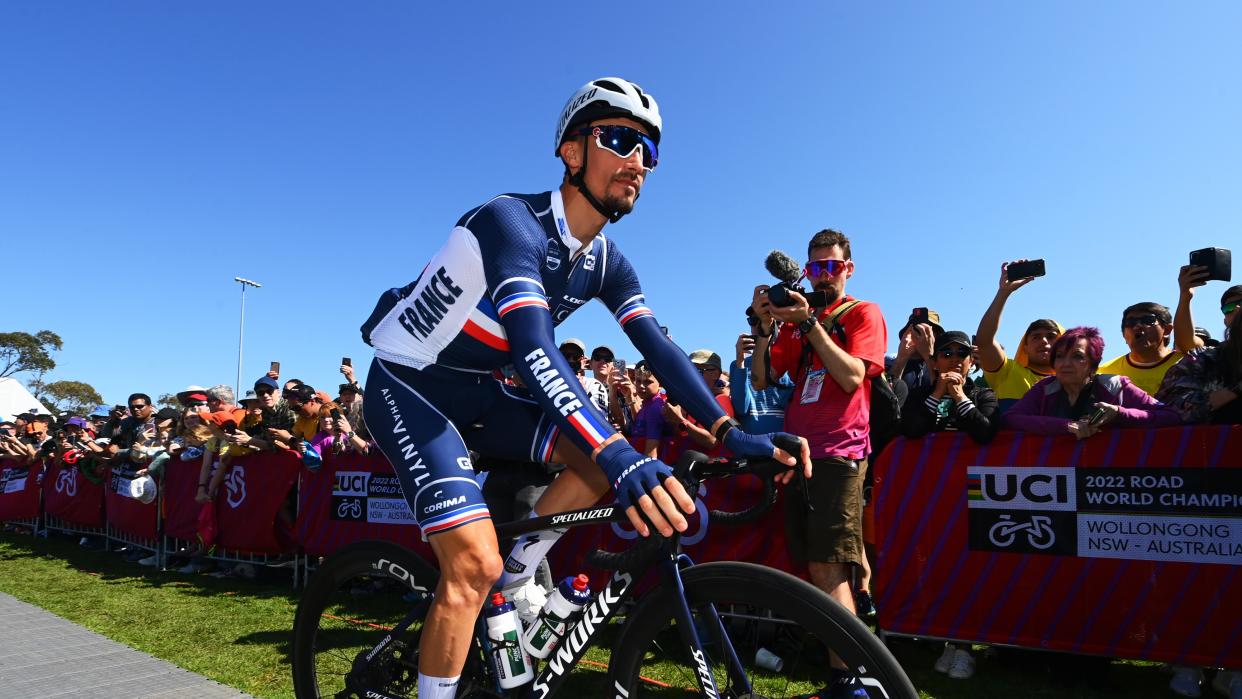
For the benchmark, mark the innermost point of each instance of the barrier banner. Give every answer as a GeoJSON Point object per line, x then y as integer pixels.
{"type": "Point", "coordinates": [179, 488]}
{"type": "Point", "coordinates": [760, 542]}
{"type": "Point", "coordinates": [68, 494]}
{"type": "Point", "coordinates": [125, 514]}
{"type": "Point", "coordinates": [1127, 544]}
{"type": "Point", "coordinates": [19, 491]}
{"type": "Point", "coordinates": [354, 498]}
{"type": "Point", "coordinates": [249, 500]}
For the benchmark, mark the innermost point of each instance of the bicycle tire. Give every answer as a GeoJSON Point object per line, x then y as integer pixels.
{"type": "Point", "coordinates": [744, 595]}
{"type": "Point", "coordinates": [334, 623]}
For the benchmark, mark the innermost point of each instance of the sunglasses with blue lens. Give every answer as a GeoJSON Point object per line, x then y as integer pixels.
{"type": "Point", "coordinates": [622, 140]}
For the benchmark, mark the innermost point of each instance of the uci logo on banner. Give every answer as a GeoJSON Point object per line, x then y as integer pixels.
{"type": "Point", "coordinates": [1021, 488]}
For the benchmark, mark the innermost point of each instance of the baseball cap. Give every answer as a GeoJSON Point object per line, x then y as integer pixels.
{"type": "Point", "coordinates": [250, 396]}
{"type": "Point", "coordinates": [76, 422]}
{"type": "Point", "coordinates": [603, 351]}
{"type": "Point", "coordinates": [952, 337]}
{"type": "Point", "coordinates": [933, 319]}
{"type": "Point", "coordinates": [705, 356]}
{"type": "Point", "coordinates": [576, 343]}
{"type": "Point", "coordinates": [267, 381]}
{"type": "Point", "coordinates": [143, 489]}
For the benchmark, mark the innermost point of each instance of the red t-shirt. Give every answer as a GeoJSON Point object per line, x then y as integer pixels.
{"type": "Point", "coordinates": [836, 423]}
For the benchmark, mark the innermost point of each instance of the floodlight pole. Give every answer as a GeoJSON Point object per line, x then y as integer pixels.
{"type": "Point", "coordinates": [241, 331]}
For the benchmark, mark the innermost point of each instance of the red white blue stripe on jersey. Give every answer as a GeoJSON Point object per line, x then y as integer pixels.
{"type": "Point", "coordinates": [522, 299]}
{"type": "Point", "coordinates": [547, 444]}
{"type": "Point", "coordinates": [455, 519]}
{"type": "Point", "coordinates": [591, 430]}
{"type": "Point", "coordinates": [632, 311]}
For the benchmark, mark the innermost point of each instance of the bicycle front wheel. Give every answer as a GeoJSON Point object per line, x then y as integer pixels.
{"type": "Point", "coordinates": [769, 619]}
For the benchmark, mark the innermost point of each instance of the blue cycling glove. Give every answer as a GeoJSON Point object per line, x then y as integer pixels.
{"type": "Point", "coordinates": [631, 474]}
{"type": "Point", "coordinates": [758, 445]}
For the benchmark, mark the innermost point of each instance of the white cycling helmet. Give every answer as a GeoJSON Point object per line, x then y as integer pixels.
{"type": "Point", "coordinates": [603, 98]}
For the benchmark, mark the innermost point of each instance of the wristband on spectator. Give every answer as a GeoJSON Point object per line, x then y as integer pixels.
{"type": "Point", "coordinates": [724, 428]}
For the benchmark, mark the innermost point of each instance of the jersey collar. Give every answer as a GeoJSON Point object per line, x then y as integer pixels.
{"type": "Point", "coordinates": [562, 225]}
{"type": "Point", "coordinates": [574, 245]}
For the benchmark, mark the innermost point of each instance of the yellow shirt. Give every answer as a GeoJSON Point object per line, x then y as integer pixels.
{"type": "Point", "coordinates": [305, 427]}
{"type": "Point", "coordinates": [1147, 378]}
{"type": "Point", "coordinates": [1012, 381]}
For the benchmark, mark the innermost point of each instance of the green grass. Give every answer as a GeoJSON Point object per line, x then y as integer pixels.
{"type": "Point", "coordinates": [238, 632]}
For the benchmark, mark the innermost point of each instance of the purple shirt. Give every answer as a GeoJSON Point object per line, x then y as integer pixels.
{"type": "Point", "coordinates": [649, 422]}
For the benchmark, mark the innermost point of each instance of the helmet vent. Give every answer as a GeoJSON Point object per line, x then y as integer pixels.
{"type": "Point", "coordinates": [609, 85]}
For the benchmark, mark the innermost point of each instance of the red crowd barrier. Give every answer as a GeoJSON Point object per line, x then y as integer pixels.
{"type": "Point", "coordinates": [69, 496]}
{"type": "Point", "coordinates": [1127, 544]}
{"type": "Point", "coordinates": [354, 498]}
{"type": "Point", "coordinates": [249, 501]}
{"type": "Point", "coordinates": [19, 491]}
{"type": "Point", "coordinates": [180, 486]}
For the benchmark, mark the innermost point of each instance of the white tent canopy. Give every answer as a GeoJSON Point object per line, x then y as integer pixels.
{"type": "Point", "coordinates": [15, 400]}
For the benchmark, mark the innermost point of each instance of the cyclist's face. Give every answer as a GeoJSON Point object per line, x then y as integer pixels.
{"type": "Point", "coordinates": [614, 180]}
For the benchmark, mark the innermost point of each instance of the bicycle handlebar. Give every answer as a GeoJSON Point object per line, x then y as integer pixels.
{"type": "Point", "coordinates": [694, 467]}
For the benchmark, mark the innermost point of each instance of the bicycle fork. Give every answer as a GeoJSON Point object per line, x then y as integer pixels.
{"type": "Point", "coordinates": [671, 570]}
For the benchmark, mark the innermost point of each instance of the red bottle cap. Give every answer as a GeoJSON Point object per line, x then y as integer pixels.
{"type": "Point", "coordinates": [497, 599]}
{"type": "Point", "coordinates": [581, 582]}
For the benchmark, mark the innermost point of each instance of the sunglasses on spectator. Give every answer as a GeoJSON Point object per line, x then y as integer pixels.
{"type": "Point", "coordinates": [704, 368]}
{"type": "Point", "coordinates": [264, 391]}
{"type": "Point", "coordinates": [623, 140]}
{"type": "Point", "coordinates": [815, 268]}
{"type": "Point", "coordinates": [135, 408]}
{"type": "Point", "coordinates": [572, 357]}
{"type": "Point", "coordinates": [601, 357]}
{"type": "Point", "coordinates": [1146, 321]}
{"type": "Point", "coordinates": [949, 353]}
{"type": "Point", "coordinates": [1230, 307]}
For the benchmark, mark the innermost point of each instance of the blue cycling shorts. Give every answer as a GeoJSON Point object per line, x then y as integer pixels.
{"type": "Point", "coordinates": [426, 421]}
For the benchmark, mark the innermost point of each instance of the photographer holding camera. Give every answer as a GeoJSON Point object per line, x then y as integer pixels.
{"type": "Point", "coordinates": [832, 353]}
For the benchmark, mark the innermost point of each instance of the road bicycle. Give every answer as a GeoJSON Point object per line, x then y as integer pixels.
{"type": "Point", "coordinates": [697, 631]}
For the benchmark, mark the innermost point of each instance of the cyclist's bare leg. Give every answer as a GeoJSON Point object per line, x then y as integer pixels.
{"type": "Point", "coordinates": [834, 578]}
{"type": "Point", "coordinates": [581, 484]}
{"type": "Point", "coordinates": [469, 565]}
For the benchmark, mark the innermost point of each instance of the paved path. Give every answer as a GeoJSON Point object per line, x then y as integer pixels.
{"type": "Point", "coordinates": [43, 655]}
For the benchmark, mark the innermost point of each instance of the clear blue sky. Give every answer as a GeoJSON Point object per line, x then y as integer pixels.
{"type": "Point", "coordinates": [152, 151]}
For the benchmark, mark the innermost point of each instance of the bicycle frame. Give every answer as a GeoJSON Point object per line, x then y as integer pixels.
{"type": "Point", "coordinates": [607, 601]}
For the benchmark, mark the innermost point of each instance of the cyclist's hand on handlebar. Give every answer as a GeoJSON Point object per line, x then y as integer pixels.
{"type": "Point", "coordinates": [663, 508]}
{"type": "Point", "coordinates": [784, 447]}
{"type": "Point", "coordinates": [646, 484]}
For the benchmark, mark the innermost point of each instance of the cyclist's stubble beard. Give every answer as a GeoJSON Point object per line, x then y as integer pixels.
{"type": "Point", "coordinates": [620, 203]}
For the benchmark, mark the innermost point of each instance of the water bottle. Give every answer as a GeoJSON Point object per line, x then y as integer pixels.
{"type": "Point", "coordinates": [513, 666]}
{"type": "Point", "coordinates": [553, 623]}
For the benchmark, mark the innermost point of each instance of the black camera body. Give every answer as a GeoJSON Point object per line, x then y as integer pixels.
{"type": "Point", "coordinates": [778, 294]}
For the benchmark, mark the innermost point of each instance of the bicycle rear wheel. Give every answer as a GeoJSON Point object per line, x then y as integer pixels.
{"type": "Point", "coordinates": [353, 602]}
{"type": "Point", "coordinates": [759, 607]}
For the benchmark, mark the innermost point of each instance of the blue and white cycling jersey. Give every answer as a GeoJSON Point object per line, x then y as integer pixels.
{"type": "Point", "coordinates": [490, 267]}
{"type": "Point", "coordinates": [492, 295]}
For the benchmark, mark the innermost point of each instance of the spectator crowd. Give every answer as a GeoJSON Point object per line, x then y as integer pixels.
{"type": "Point", "coordinates": [815, 367]}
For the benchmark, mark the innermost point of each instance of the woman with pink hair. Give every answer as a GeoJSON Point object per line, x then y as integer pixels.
{"type": "Point", "coordinates": [1080, 401]}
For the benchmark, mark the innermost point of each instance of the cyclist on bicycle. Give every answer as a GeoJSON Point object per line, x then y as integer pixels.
{"type": "Point", "coordinates": [511, 270]}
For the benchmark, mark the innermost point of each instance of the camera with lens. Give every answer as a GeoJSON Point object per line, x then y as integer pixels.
{"type": "Point", "coordinates": [778, 294]}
